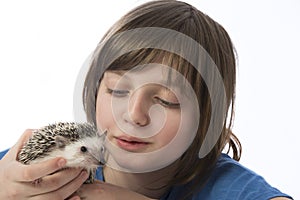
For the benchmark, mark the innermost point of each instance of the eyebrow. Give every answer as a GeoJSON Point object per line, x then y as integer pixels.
{"type": "Point", "coordinates": [118, 72]}
{"type": "Point", "coordinates": [122, 73]}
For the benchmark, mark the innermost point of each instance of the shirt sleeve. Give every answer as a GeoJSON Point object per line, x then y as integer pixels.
{"type": "Point", "coordinates": [2, 153]}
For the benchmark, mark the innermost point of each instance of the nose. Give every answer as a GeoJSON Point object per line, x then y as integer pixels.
{"type": "Point", "coordinates": [138, 109]}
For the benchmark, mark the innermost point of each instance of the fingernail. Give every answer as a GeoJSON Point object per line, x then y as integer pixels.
{"type": "Point", "coordinates": [62, 162]}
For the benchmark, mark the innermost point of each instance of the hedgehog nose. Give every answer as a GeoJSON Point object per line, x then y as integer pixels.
{"type": "Point", "coordinates": [98, 159]}
{"type": "Point", "coordinates": [101, 163]}
{"type": "Point", "coordinates": [97, 162]}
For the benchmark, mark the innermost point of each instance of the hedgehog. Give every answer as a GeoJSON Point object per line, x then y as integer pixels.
{"type": "Point", "coordinates": [79, 143]}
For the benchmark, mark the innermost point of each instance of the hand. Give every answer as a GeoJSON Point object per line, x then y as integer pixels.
{"type": "Point", "coordinates": [19, 181]}
{"type": "Point", "coordinates": [100, 190]}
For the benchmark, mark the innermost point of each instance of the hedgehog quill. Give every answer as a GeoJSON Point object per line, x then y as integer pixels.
{"type": "Point", "coordinates": [79, 143]}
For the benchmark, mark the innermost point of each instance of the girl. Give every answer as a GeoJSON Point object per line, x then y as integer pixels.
{"type": "Point", "coordinates": [162, 84]}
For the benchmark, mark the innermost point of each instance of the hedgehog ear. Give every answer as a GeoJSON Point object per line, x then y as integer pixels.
{"type": "Point", "coordinates": [60, 141]}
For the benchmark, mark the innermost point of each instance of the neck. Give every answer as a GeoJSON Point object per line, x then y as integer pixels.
{"type": "Point", "coordinates": [151, 184]}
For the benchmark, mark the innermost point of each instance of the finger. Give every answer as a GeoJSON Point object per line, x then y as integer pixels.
{"type": "Point", "coordinates": [74, 198]}
{"type": "Point", "coordinates": [48, 183]}
{"type": "Point", "coordinates": [67, 190]}
{"type": "Point", "coordinates": [12, 153]}
{"type": "Point", "coordinates": [29, 173]}
{"type": "Point", "coordinates": [57, 180]}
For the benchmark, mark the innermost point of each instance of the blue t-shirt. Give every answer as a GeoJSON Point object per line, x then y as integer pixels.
{"type": "Point", "coordinates": [229, 181]}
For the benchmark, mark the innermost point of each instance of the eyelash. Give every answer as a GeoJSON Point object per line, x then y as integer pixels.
{"type": "Point", "coordinates": [117, 93]}
{"type": "Point", "coordinates": [167, 103]}
{"type": "Point", "coordinates": [123, 93]}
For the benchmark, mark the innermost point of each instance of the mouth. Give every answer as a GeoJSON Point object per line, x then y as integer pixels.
{"type": "Point", "coordinates": [131, 144]}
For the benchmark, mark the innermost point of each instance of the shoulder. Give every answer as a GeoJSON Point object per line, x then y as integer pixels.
{"type": "Point", "coordinates": [231, 180]}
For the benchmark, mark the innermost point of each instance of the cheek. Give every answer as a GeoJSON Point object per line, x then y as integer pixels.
{"type": "Point", "coordinates": [170, 129]}
{"type": "Point", "coordinates": [182, 124]}
{"type": "Point", "coordinates": [104, 115]}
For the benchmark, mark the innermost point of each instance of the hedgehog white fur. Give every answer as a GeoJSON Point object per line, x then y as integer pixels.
{"type": "Point", "coordinates": [79, 143]}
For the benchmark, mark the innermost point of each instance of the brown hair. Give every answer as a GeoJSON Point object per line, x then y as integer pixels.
{"type": "Point", "coordinates": [186, 19]}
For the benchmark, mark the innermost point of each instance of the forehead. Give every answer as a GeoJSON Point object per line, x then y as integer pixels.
{"type": "Point", "coordinates": [153, 73]}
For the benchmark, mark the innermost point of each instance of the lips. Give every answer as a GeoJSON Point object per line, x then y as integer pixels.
{"type": "Point", "coordinates": [131, 139]}
{"type": "Point", "coordinates": [131, 143]}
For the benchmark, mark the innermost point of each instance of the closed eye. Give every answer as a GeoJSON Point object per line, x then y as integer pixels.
{"type": "Point", "coordinates": [117, 93]}
{"type": "Point", "coordinates": [166, 103]}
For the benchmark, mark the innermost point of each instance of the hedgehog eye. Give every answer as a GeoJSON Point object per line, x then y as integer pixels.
{"type": "Point", "coordinates": [83, 149]}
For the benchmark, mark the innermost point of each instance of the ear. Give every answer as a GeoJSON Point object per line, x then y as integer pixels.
{"type": "Point", "coordinates": [60, 141]}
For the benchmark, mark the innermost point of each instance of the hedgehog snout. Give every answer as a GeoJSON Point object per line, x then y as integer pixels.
{"type": "Point", "coordinates": [96, 155]}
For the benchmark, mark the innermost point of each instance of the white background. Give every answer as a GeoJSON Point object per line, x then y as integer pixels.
{"type": "Point", "coordinates": [43, 45]}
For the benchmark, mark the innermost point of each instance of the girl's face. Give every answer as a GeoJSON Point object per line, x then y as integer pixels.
{"type": "Point", "coordinates": [148, 118]}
